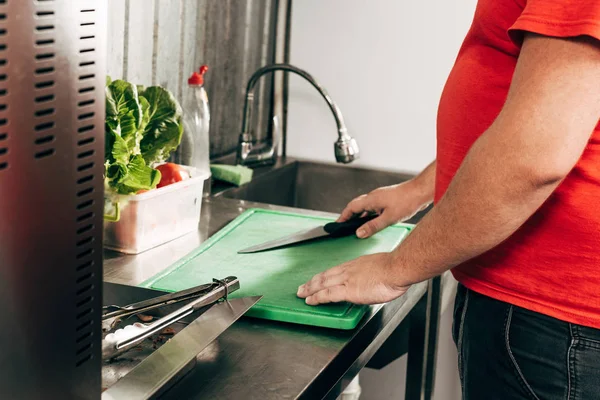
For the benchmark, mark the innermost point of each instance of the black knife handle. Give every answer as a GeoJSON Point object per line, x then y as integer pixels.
{"type": "Point", "coordinates": [340, 229]}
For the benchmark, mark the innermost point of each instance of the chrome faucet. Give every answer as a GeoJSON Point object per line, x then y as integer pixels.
{"type": "Point", "coordinates": [346, 148]}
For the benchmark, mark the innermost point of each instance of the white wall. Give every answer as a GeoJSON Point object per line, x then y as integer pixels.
{"type": "Point", "coordinates": [385, 63]}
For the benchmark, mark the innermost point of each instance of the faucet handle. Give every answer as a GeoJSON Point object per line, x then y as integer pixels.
{"type": "Point", "coordinates": [249, 155]}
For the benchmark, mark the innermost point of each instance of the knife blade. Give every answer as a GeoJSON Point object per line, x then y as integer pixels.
{"type": "Point", "coordinates": [332, 229]}
{"type": "Point", "coordinates": [176, 357]}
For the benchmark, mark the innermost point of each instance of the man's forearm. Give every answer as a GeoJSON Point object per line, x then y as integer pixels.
{"type": "Point", "coordinates": [424, 184]}
{"type": "Point", "coordinates": [485, 203]}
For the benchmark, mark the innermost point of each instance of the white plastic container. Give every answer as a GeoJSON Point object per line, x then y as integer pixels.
{"type": "Point", "coordinates": [352, 392]}
{"type": "Point", "coordinates": [158, 216]}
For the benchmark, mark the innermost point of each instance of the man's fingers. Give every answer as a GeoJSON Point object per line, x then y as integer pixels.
{"type": "Point", "coordinates": [373, 226]}
{"type": "Point", "coordinates": [334, 294]}
{"type": "Point", "coordinates": [356, 206]}
{"type": "Point", "coordinates": [333, 277]}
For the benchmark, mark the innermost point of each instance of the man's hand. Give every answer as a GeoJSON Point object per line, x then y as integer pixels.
{"type": "Point", "coordinates": [366, 280]}
{"type": "Point", "coordinates": [393, 203]}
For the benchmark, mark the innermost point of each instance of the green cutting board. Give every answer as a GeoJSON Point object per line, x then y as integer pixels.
{"type": "Point", "coordinates": [276, 274]}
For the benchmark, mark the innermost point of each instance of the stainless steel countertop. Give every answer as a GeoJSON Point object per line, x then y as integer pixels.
{"type": "Point", "coordinates": [264, 359]}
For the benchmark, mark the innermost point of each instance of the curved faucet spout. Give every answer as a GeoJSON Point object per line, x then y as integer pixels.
{"type": "Point", "coordinates": [346, 148]}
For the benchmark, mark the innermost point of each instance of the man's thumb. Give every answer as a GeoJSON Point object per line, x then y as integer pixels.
{"type": "Point", "coordinates": [372, 227]}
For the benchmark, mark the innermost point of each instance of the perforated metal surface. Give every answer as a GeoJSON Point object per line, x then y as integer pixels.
{"type": "Point", "coordinates": [52, 76]}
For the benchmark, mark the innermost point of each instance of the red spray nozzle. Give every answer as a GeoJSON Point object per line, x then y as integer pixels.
{"type": "Point", "coordinates": [197, 78]}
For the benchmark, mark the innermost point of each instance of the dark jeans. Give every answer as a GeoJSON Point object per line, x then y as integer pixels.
{"type": "Point", "coordinates": [506, 352]}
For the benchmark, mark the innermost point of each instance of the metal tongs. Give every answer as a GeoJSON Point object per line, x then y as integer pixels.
{"type": "Point", "coordinates": [112, 315]}
{"type": "Point", "coordinates": [130, 336]}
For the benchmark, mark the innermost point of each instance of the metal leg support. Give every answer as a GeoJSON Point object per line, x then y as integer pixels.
{"type": "Point", "coordinates": [422, 347]}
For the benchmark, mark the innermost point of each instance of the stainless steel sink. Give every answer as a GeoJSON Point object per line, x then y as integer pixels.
{"type": "Point", "coordinates": [313, 186]}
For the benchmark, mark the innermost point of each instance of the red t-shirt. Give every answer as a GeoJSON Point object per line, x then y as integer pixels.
{"type": "Point", "coordinates": [552, 263]}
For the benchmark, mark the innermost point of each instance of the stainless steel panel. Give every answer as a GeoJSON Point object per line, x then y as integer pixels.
{"type": "Point", "coordinates": [164, 41]}
{"type": "Point", "coordinates": [169, 28]}
{"type": "Point", "coordinates": [116, 38]}
{"type": "Point", "coordinates": [139, 41]}
{"type": "Point", "coordinates": [51, 197]}
{"type": "Point", "coordinates": [191, 41]}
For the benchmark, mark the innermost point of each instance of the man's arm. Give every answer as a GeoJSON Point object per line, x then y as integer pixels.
{"type": "Point", "coordinates": [425, 183]}
{"type": "Point", "coordinates": [551, 111]}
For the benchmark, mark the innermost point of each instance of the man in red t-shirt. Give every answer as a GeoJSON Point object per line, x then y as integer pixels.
{"type": "Point", "coordinates": [515, 186]}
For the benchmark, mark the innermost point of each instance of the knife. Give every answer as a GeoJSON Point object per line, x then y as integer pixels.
{"type": "Point", "coordinates": [332, 229]}
{"type": "Point", "coordinates": [175, 358]}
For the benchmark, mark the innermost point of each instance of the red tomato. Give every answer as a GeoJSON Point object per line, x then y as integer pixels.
{"type": "Point", "coordinates": [171, 173]}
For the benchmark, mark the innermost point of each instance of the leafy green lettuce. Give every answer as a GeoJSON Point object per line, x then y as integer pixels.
{"type": "Point", "coordinates": [163, 128]}
{"type": "Point", "coordinates": [143, 127]}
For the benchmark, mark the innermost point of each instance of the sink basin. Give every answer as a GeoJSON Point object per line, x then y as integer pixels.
{"type": "Point", "coordinates": [314, 186]}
